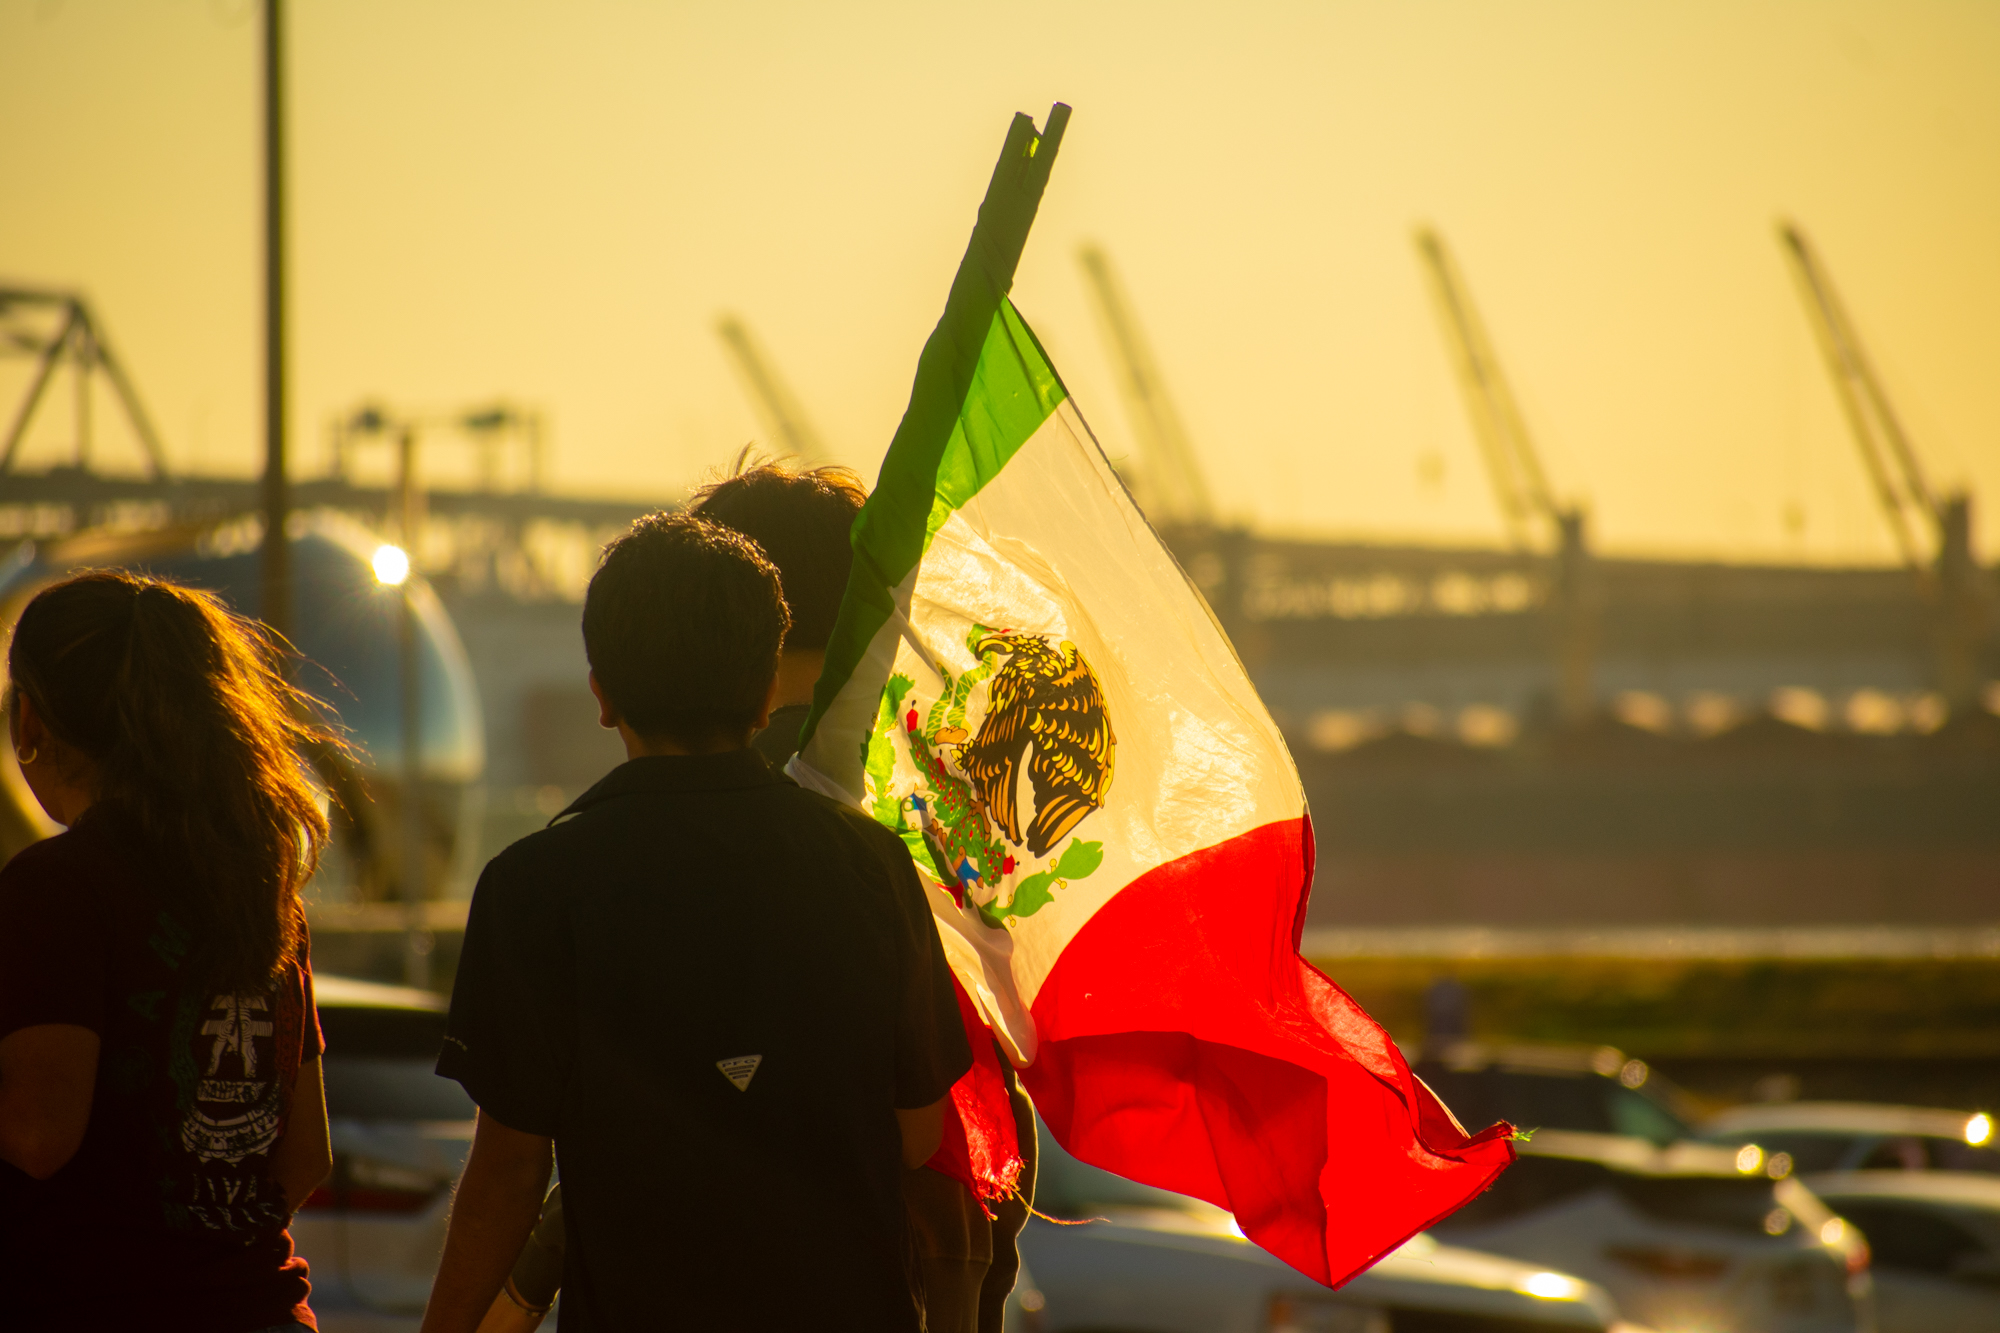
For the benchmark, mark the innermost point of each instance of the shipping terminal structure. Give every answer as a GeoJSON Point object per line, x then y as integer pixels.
{"type": "Point", "coordinates": [1529, 742]}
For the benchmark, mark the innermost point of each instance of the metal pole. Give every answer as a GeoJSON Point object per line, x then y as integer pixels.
{"type": "Point", "coordinates": [276, 600]}
{"type": "Point", "coordinates": [51, 355]}
{"type": "Point", "coordinates": [417, 938]}
{"type": "Point", "coordinates": [80, 351]}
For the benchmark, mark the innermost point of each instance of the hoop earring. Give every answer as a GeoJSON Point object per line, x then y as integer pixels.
{"type": "Point", "coordinates": [27, 756]}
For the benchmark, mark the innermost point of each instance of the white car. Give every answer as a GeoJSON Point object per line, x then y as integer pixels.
{"type": "Point", "coordinates": [1133, 1259]}
{"type": "Point", "coordinates": [1686, 1236]}
{"type": "Point", "coordinates": [374, 1232]}
{"type": "Point", "coordinates": [1936, 1240]}
{"type": "Point", "coordinates": [1611, 1187]}
{"type": "Point", "coordinates": [1859, 1136]}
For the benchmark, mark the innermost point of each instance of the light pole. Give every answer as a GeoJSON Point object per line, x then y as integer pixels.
{"type": "Point", "coordinates": [275, 602]}
{"type": "Point", "coordinates": [394, 566]}
{"type": "Point", "coordinates": [417, 938]}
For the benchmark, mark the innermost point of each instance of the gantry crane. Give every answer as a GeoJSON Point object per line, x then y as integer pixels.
{"type": "Point", "coordinates": [79, 340]}
{"type": "Point", "coordinates": [1171, 485]}
{"type": "Point", "coordinates": [1949, 573]}
{"type": "Point", "coordinates": [1519, 483]}
{"type": "Point", "coordinates": [780, 412]}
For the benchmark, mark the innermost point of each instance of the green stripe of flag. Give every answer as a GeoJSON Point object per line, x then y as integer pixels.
{"type": "Point", "coordinates": [982, 389]}
{"type": "Point", "coordinates": [1014, 389]}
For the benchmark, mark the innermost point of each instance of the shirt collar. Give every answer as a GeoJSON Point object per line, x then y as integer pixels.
{"type": "Point", "coordinates": [729, 771]}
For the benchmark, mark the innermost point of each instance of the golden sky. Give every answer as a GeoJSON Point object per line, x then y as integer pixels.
{"type": "Point", "coordinates": [552, 201]}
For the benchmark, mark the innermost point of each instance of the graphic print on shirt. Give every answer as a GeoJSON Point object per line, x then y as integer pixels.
{"type": "Point", "coordinates": [236, 1114]}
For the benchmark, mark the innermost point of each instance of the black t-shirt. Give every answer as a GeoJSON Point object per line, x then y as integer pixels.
{"type": "Point", "coordinates": [168, 1216]}
{"type": "Point", "coordinates": [712, 988]}
{"type": "Point", "coordinates": [779, 741]}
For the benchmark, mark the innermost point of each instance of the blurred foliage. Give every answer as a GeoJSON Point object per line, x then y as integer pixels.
{"type": "Point", "coordinates": [1938, 1008]}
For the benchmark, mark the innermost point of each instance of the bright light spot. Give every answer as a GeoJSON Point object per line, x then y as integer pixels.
{"type": "Point", "coordinates": [1234, 1229]}
{"type": "Point", "coordinates": [1550, 1286]}
{"type": "Point", "coordinates": [1979, 1129]}
{"type": "Point", "coordinates": [1777, 1222]}
{"type": "Point", "coordinates": [1634, 1074]}
{"type": "Point", "coordinates": [392, 565]}
{"type": "Point", "coordinates": [1779, 1166]}
{"type": "Point", "coordinates": [1834, 1232]}
{"type": "Point", "coordinates": [1748, 1158]}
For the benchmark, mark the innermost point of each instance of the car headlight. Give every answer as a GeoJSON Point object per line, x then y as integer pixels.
{"type": "Point", "coordinates": [1551, 1286]}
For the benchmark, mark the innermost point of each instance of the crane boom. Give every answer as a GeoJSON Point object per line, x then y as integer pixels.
{"type": "Point", "coordinates": [1173, 478]}
{"type": "Point", "coordinates": [776, 407]}
{"type": "Point", "coordinates": [1519, 483]}
{"type": "Point", "coordinates": [1892, 464]}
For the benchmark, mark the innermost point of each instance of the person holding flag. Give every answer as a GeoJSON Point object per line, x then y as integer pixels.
{"type": "Point", "coordinates": [1028, 691]}
{"type": "Point", "coordinates": [719, 998]}
{"type": "Point", "coordinates": [963, 1227]}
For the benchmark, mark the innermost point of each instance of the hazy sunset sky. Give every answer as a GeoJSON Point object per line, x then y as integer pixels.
{"type": "Point", "coordinates": [552, 202]}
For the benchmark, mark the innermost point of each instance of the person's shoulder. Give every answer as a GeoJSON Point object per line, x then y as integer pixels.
{"type": "Point", "coordinates": [852, 824]}
{"type": "Point", "coordinates": [61, 855]}
{"type": "Point", "coordinates": [71, 876]}
{"type": "Point", "coordinates": [533, 864]}
{"type": "Point", "coordinates": [811, 804]}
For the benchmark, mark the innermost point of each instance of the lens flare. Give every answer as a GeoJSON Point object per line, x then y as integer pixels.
{"type": "Point", "coordinates": [1979, 1129]}
{"type": "Point", "coordinates": [1550, 1286]}
{"type": "Point", "coordinates": [392, 565]}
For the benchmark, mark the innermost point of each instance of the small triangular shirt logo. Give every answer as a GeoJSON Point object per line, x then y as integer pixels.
{"type": "Point", "coordinates": [740, 1069]}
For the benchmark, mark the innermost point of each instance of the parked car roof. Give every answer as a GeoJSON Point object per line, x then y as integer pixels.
{"type": "Point", "coordinates": [1974, 1189]}
{"type": "Point", "coordinates": [1974, 1127]}
{"type": "Point", "coordinates": [1642, 1157]}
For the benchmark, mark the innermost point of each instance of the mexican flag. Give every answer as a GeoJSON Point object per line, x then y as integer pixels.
{"type": "Point", "coordinates": [1025, 686]}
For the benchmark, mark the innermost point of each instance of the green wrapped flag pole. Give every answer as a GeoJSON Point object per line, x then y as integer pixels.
{"type": "Point", "coordinates": [890, 533]}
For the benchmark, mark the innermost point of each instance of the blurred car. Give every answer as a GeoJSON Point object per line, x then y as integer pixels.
{"type": "Point", "coordinates": [1588, 1089]}
{"type": "Point", "coordinates": [374, 1232]}
{"type": "Point", "coordinates": [1612, 1188]}
{"type": "Point", "coordinates": [1687, 1236]}
{"type": "Point", "coordinates": [1936, 1241]}
{"type": "Point", "coordinates": [1134, 1259]}
{"type": "Point", "coordinates": [1857, 1136]}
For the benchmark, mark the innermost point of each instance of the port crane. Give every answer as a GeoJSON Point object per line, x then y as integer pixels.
{"type": "Point", "coordinates": [77, 339]}
{"type": "Point", "coordinates": [1520, 484]}
{"type": "Point", "coordinates": [1172, 485]}
{"type": "Point", "coordinates": [1949, 572]}
{"type": "Point", "coordinates": [783, 418]}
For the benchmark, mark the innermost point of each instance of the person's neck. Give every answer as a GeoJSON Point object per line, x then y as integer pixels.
{"type": "Point", "coordinates": [798, 672]}
{"type": "Point", "coordinates": [638, 747]}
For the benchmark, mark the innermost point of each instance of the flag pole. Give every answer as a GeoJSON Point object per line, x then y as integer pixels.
{"type": "Point", "coordinates": [944, 374]}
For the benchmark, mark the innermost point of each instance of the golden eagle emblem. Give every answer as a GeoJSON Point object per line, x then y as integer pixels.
{"type": "Point", "coordinates": [1047, 707]}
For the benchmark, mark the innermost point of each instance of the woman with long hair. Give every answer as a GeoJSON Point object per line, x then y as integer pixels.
{"type": "Point", "coordinates": [162, 1111]}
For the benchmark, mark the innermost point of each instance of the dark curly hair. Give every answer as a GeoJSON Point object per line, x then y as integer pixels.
{"type": "Point", "coordinates": [801, 519]}
{"type": "Point", "coordinates": [193, 737]}
{"type": "Point", "coordinates": [683, 625]}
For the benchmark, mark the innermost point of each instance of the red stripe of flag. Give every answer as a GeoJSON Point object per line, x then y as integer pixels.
{"type": "Point", "coordinates": [1186, 1045]}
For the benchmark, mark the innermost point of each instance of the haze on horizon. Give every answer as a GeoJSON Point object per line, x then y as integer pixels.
{"type": "Point", "coordinates": [552, 203]}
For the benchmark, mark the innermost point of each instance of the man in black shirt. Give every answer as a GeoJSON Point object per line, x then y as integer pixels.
{"type": "Point", "coordinates": [967, 1254]}
{"type": "Point", "coordinates": [719, 995]}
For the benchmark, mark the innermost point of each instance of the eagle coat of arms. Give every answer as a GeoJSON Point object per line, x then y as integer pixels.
{"type": "Point", "coordinates": [966, 815]}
